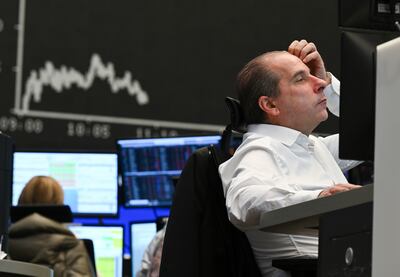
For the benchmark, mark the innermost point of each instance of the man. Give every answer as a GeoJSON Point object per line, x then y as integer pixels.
{"type": "Point", "coordinates": [284, 96]}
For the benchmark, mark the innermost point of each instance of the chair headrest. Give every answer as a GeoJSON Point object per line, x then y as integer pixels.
{"type": "Point", "coordinates": [60, 213]}
{"type": "Point", "coordinates": [238, 123]}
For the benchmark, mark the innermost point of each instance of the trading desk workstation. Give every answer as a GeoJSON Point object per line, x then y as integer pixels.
{"type": "Point", "coordinates": [343, 223]}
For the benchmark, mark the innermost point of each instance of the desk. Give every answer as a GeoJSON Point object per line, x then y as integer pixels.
{"type": "Point", "coordinates": [303, 218]}
{"type": "Point", "coordinates": [17, 268]}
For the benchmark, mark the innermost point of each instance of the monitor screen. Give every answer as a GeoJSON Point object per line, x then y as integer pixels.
{"type": "Point", "coordinates": [89, 180]}
{"type": "Point", "coordinates": [108, 247]}
{"type": "Point", "coordinates": [357, 96]}
{"type": "Point", "coordinates": [148, 166]}
{"type": "Point", "coordinates": [141, 235]}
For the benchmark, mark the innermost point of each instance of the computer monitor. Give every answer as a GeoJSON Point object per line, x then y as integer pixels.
{"type": "Point", "coordinates": [148, 165]}
{"type": "Point", "coordinates": [89, 180]}
{"type": "Point", "coordinates": [357, 96]}
{"type": "Point", "coordinates": [108, 247]}
{"type": "Point", "coordinates": [370, 14]}
{"type": "Point", "coordinates": [141, 235]}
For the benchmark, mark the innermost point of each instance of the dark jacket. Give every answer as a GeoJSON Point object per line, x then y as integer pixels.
{"type": "Point", "coordinates": [199, 240]}
{"type": "Point", "coordinates": [37, 239]}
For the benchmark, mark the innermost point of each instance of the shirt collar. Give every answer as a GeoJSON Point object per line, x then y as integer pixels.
{"type": "Point", "coordinates": [283, 134]}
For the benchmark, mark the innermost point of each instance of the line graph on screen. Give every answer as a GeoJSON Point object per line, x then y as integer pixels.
{"type": "Point", "coordinates": [63, 78]}
{"type": "Point", "coordinates": [60, 78]}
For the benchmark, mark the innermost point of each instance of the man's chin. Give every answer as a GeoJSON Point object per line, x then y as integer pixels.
{"type": "Point", "coordinates": [324, 116]}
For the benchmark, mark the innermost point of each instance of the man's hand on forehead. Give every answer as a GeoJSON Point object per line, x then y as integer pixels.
{"type": "Point", "coordinates": [302, 49]}
{"type": "Point", "coordinates": [308, 53]}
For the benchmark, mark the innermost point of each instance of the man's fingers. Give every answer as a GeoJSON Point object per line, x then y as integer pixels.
{"type": "Point", "coordinates": [310, 57]}
{"type": "Point", "coordinates": [338, 188]}
{"type": "Point", "coordinates": [308, 49]}
{"type": "Point", "coordinates": [293, 46]}
{"type": "Point", "coordinates": [299, 47]}
{"type": "Point", "coordinates": [302, 49]}
{"type": "Point", "coordinates": [343, 187]}
{"type": "Point", "coordinates": [349, 186]}
{"type": "Point", "coordinates": [325, 193]}
{"type": "Point", "coordinates": [296, 47]}
{"type": "Point", "coordinates": [335, 190]}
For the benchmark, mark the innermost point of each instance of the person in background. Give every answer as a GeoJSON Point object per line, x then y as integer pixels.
{"type": "Point", "coordinates": [151, 261]}
{"type": "Point", "coordinates": [42, 190]}
{"type": "Point", "coordinates": [37, 239]}
{"type": "Point", "coordinates": [284, 96]}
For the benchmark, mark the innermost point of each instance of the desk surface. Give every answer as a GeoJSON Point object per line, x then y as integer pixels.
{"type": "Point", "coordinates": [303, 218]}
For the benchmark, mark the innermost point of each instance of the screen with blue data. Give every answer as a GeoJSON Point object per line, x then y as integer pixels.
{"type": "Point", "coordinates": [108, 247]}
{"type": "Point", "coordinates": [149, 166]}
{"type": "Point", "coordinates": [142, 234]}
{"type": "Point", "coordinates": [89, 180]}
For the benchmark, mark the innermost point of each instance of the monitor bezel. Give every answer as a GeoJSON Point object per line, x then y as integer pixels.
{"type": "Point", "coordinates": [76, 151]}
{"type": "Point", "coordinates": [130, 223]}
{"type": "Point", "coordinates": [357, 143]}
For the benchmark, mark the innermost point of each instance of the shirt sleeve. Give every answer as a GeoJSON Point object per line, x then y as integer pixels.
{"type": "Point", "coordinates": [332, 93]}
{"type": "Point", "coordinates": [255, 184]}
{"type": "Point", "coordinates": [332, 143]}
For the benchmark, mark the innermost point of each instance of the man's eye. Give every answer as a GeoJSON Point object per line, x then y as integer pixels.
{"type": "Point", "coordinates": [299, 79]}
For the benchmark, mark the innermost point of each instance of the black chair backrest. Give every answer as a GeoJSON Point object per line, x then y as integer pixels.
{"type": "Point", "coordinates": [59, 213]}
{"type": "Point", "coordinates": [236, 244]}
{"type": "Point", "coordinates": [200, 241]}
{"type": "Point", "coordinates": [237, 123]}
{"type": "Point", "coordinates": [90, 250]}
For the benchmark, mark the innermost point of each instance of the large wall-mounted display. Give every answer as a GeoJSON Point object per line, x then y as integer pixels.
{"type": "Point", "coordinates": [78, 74]}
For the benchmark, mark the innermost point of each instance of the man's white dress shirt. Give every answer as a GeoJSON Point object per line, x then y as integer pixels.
{"type": "Point", "coordinates": [276, 167]}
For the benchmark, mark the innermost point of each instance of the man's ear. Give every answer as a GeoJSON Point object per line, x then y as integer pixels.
{"type": "Point", "coordinates": [268, 105]}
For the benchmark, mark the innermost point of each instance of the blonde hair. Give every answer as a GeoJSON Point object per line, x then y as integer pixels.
{"type": "Point", "coordinates": [42, 190]}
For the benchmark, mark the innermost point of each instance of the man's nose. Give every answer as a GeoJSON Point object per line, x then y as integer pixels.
{"type": "Point", "coordinates": [319, 84]}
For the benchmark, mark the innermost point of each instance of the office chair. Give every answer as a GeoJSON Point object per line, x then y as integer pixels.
{"type": "Point", "coordinates": [59, 213]}
{"type": "Point", "coordinates": [200, 240]}
{"type": "Point", "coordinates": [237, 125]}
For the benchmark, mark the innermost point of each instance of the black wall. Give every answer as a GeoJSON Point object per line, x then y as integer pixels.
{"type": "Point", "coordinates": [184, 54]}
